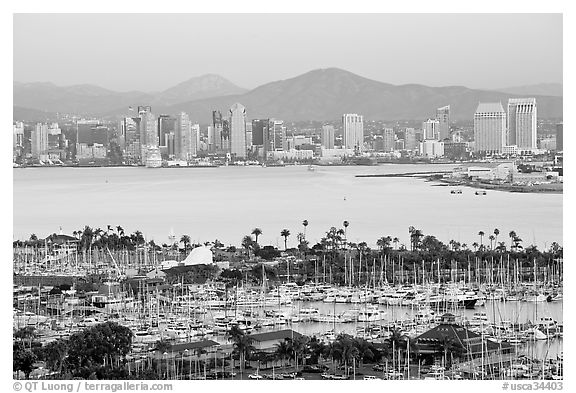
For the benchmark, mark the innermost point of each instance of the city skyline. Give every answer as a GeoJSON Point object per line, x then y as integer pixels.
{"type": "Point", "coordinates": [310, 48]}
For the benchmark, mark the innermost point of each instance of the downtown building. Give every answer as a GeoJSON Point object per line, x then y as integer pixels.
{"type": "Point", "coordinates": [353, 132]}
{"type": "Point", "coordinates": [489, 128]}
{"type": "Point", "coordinates": [443, 117]}
{"type": "Point", "coordinates": [431, 130]}
{"type": "Point", "coordinates": [39, 142]}
{"type": "Point", "coordinates": [410, 139]}
{"type": "Point", "coordinates": [237, 130]}
{"type": "Point", "coordinates": [130, 134]}
{"type": "Point", "coordinates": [186, 138]}
{"type": "Point", "coordinates": [327, 137]}
{"type": "Point", "coordinates": [522, 123]}
{"type": "Point", "coordinates": [17, 139]}
{"type": "Point", "coordinates": [388, 140]}
{"type": "Point", "coordinates": [148, 132]}
{"type": "Point", "coordinates": [560, 136]}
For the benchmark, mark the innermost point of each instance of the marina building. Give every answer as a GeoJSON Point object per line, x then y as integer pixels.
{"type": "Point", "coordinates": [443, 117]}
{"type": "Point", "coordinates": [327, 139]}
{"type": "Point", "coordinates": [238, 130]}
{"type": "Point", "coordinates": [353, 132]}
{"type": "Point", "coordinates": [522, 126]}
{"type": "Point", "coordinates": [489, 127]}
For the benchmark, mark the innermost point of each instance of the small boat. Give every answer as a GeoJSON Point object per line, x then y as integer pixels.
{"type": "Point", "coordinates": [480, 192]}
{"type": "Point", "coordinates": [456, 191]}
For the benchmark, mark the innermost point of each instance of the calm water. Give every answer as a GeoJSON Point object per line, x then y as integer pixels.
{"type": "Point", "coordinates": [226, 203]}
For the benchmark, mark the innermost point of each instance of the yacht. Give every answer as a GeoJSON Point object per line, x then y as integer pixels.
{"type": "Point", "coordinates": [370, 315]}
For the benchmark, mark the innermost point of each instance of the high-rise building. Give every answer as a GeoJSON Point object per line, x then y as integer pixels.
{"type": "Point", "coordinates": [182, 137]}
{"type": "Point", "coordinates": [277, 135]}
{"type": "Point", "coordinates": [130, 130]}
{"type": "Point", "coordinates": [195, 139]}
{"type": "Point", "coordinates": [148, 132]}
{"type": "Point", "coordinates": [431, 130]}
{"type": "Point", "coordinates": [560, 137]}
{"type": "Point", "coordinates": [248, 135]}
{"type": "Point", "coordinates": [388, 139]}
{"type": "Point", "coordinates": [443, 117]}
{"type": "Point", "coordinates": [327, 139]}
{"type": "Point", "coordinates": [410, 141]}
{"type": "Point", "coordinates": [522, 123]}
{"type": "Point", "coordinates": [18, 135]}
{"type": "Point", "coordinates": [489, 127]}
{"type": "Point", "coordinates": [238, 130]}
{"type": "Point", "coordinates": [353, 132]}
{"type": "Point", "coordinates": [218, 125]}
{"type": "Point", "coordinates": [39, 147]}
{"type": "Point", "coordinates": [86, 131]}
{"type": "Point", "coordinates": [166, 125]}
{"type": "Point", "coordinates": [210, 138]}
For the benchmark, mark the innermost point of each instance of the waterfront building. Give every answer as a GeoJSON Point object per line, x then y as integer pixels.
{"type": "Point", "coordinates": [277, 135]}
{"type": "Point", "coordinates": [166, 125]}
{"type": "Point", "coordinates": [547, 144]}
{"type": "Point", "coordinates": [217, 123]}
{"type": "Point", "coordinates": [410, 141]}
{"type": "Point", "coordinates": [238, 130]}
{"type": "Point", "coordinates": [431, 130]}
{"type": "Point", "coordinates": [456, 150]}
{"type": "Point", "coordinates": [18, 136]}
{"type": "Point", "coordinates": [388, 139]}
{"type": "Point", "coordinates": [292, 154]}
{"type": "Point", "coordinates": [130, 132]}
{"type": "Point", "coordinates": [443, 117]}
{"type": "Point", "coordinates": [248, 135]}
{"type": "Point", "coordinates": [182, 137]}
{"type": "Point", "coordinates": [148, 132]}
{"type": "Point", "coordinates": [522, 122]}
{"type": "Point", "coordinates": [327, 138]}
{"type": "Point", "coordinates": [210, 138]}
{"type": "Point", "coordinates": [353, 132]}
{"type": "Point", "coordinates": [489, 127]}
{"type": "Point", "coordinates": [91, 131]}
{"type": "Point", "coordinates": [560, 137]}
{"type": "Point", "coordinates": [225, 136]}
{"type": "Point", "coordinates": [194, 140]}
{"type": "Point", "coordinates": [431, 148]}
{"type": "Point", "coordinates": [39, 142]}
{"type": "Point", "coordinates": [399, 144]}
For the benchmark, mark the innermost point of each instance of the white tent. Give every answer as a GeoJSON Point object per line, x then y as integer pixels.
{"type": "Point", "coordinates": [199, 256]}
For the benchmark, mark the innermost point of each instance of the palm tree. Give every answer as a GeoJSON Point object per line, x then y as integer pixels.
{"type": "Point", "coordinates": [395, 241]}
{"type": "Point", "coordinates": [305, 224]}
{"type": "Point", "coordinates": [512, 235]}
{"type": "Point", "coordinates": [475, 246]}
{"type": "Point", "coordinates": [247, 243]}
{"type": "Point", "coordinates": [243, 347]}
{"type": "Point", "coordinates": [256, 232]}
{"type": "Point", "coordinates": [450, 347]}
{"type": "Point", "coordinates": [186, 240]}
{"type": "Point", "coordinates": [501, 247]}
{"type": "Point", "coordinates": [481, 234]}
{"type": "Point", "coordinates": [345, 223]}
{"type": "Point", "coordinates": [285, 233]}
{"type": "Point", "coordinates": [496, 233]}
{"type": "Point", "coordinates": [283, 351]}
{"type": "Point", "coordinates": [492, 238]}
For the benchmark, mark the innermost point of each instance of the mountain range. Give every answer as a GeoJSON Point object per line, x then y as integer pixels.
{"type": "Point", "coordinates": [322, 94]}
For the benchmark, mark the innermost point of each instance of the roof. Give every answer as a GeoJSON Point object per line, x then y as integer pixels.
{"type": "Point", "coordinates": [192, 345]}
{"type": "Point", "coordinates": [490, 107]}
{"type": "Point", "coordinates": [276, 335]}
{"type": "Point", "coordinates": [466, 338]}
{"type": "Point", "coordinates": [521, 101]}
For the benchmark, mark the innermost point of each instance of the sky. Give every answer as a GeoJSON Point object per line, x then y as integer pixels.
{"type": "Point", "coordinates": [151, 52]}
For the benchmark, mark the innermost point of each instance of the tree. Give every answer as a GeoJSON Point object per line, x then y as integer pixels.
{"type": "Point", "coordinates": [247, 243]}
{"type": "Point", "coordinates": [285, 233]}
{"type": "Point", "coordinates": [256, 232]}
{"type": "Point", "coordinates": [496, 233]}
{"type": "Point", "coordinates": [186, 240]}
{"type": "Point", "coordinates": [481, 234]}
{"type": "Point", "coordinates": [450, 348]}
{"type": "Point", "coordinates": [492, 238]}
{"type": "Point", "coordinates": [55, 354]}
{"type": "Point", "coordinates": [512, 235]}
{"type": "Point", "coordinates": [305, 224]}
{"type": "Point", "coordinates": [22, 359]}
{"type": "Point", "coordinates": [283, 350]}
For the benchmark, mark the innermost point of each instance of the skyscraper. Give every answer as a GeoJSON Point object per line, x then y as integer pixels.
{"type": "Point", "coordinates": [277, 135]}
{"type": "Point", "coordinates": [148, 133]}
{"type": "Point", "coordinates": [443, 117]}
{"type": "Point", "coordinates": [410, 141]}
{"type": "Point", "coordinates": [194, 140]}
{"type": "Point", "coordinates": [522, 123]}
{"type": "Point", "coordinates": [218, 125]}
{"type": "Point", "coordinates": [182, 137]}
{"type": "Point", "coordinates": [130, 129]}
{"type": "Point", "coordinates": [39, 141]}
{"type": "Point", "coordinates": [18, 135]}
{"type": "Point", "coordinates": [166, 125]}
{"type": "Point", "coordinates": [388, 139]}
{"type": "Point", "coordinates": [238, 130]}
{"type": "Point", "coordinates": [327, 139]}
{"type": "Point", "coordinates": [560, 137]}
{"type": "Point", "coordinates": [431, 130]}
{"type": "Point", "coordinates": [489, 127]}
{"type": "Point", "coordinates": [353, 131]}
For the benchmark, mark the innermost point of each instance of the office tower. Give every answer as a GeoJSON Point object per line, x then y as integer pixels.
{"type": "Point", "coordinates": [18, 135]}
{"type": "Point", "coordinates": [560, 137]}
{"type": "Point", "coordinates": [410, 141]}
{"type": "Point", "coordinates": [130, 129]}
{"type": "Point", "coordinates": [443, 117]}
{"type": "Point", "coordinates": [210, 138]}
{"type": "Point", "coordinates": [148, 132]}
{"type": "Point", "coordinates": [182, 137]}
{"type": "Point", "coordinates": [86, 131]}
{"type": "Point", "coordinates": [237, 130]}
{"type": "Point", "coordinates": [248, 135]}
{"type": "Point", "coordinates": [430, 130]}
{"type": "Point", "coordinates": [489, 127]}
{"type": "Point", "coordinates": [218, 125]}
{"type": "Point", "coordinates": [170, 144]}
{"type": "Point", "coordinates": [39, 141]}
{"type": "Point", "coordinates": [225, 136]}
{"type": "Point", "coordinates": [388, 139]}
{"type": "Point", "coordinates": [195, 139]}
{"type": "Point", "coordinates": [353, 131]}
{"type": "Point", "coordinates": [166, 125]}
{"type": "Point", "coordinates": [54, 136]}
{"type": "Point", "coordinates": [327, 138]}
{"type": "Point", "coordinates": [259, 131]}
{"type": "Point", "coordinates": [522, 117]}
{"type": "Point", "coordinates": [277, 133]}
